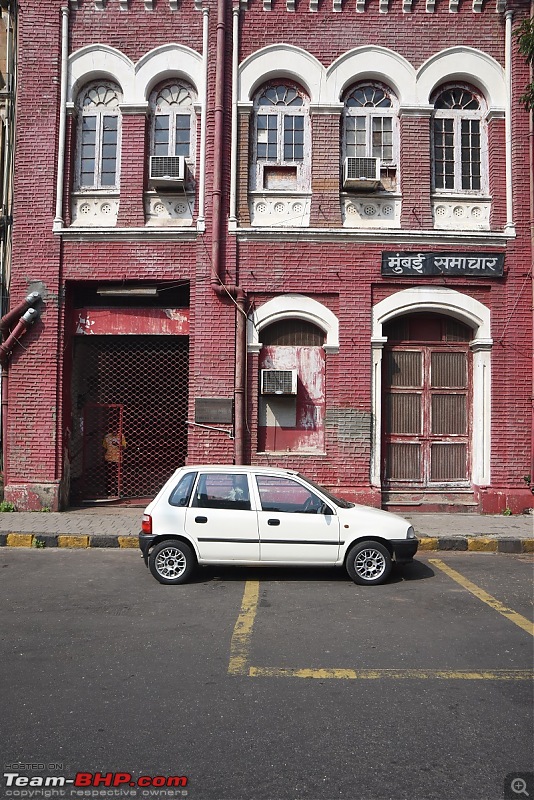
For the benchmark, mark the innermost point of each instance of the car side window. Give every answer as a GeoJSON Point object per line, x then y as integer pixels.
{"type": "Point", "coordinates": [222, 490]}
{"type": "Point", "coordinates": [286, 495]}
{"type": "Point", "coordinates": [181, 493]}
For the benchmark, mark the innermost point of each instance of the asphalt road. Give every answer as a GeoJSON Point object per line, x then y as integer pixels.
{"type": "Point", "coordinates": [266, 684]}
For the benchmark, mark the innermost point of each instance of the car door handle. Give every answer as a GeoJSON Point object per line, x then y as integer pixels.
{"type": "Point", "coordinates": [273, 522]}
{"type": "Point", "coordinates": [201, 519]}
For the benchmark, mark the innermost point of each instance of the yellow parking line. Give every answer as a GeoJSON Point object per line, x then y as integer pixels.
{"type": "Point", "coordinates": [240, 644]}
{"type": "Point", "coordinates": [374, 674]}
{"type": "Point", "coordinates": [509, 613]}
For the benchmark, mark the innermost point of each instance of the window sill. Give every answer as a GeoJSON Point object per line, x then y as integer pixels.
{"type": "Point", "coordinates": [270, 209]}
{"type": "Point", "coordinates": [461, 211]}
{"type": "Point", "coordinates": [371, 210]}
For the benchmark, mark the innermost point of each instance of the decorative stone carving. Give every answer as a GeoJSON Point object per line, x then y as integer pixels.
{"type": "Point", "coordinates": [371, 211]}
{"type": "Point", "coordinates": [461, 213]}
{"type": "Point", "coordinates": [281, 210]}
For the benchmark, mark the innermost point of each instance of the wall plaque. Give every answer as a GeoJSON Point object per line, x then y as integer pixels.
{"type": "Point", "coordinates": [214, 411]}
{"type": "Point", "coordinates": [468, 265]}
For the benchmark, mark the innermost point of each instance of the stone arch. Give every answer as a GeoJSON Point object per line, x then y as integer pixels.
{"type": "Point", "coordinates": [295, 64]}
{"type": "Point", "coordinates": [294, 306]}
{"type": "Point", "coordinates": [465, 64]}
{"type": "Point", "coordinates": [168, 61]}
{"type": "Point", "coordinates": [100, 61]}
{"type": "Point", "coordinates": [371, 63]}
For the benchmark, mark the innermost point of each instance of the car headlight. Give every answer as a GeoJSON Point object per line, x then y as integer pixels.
{"type": "Point", "coordinates": [410, 533]}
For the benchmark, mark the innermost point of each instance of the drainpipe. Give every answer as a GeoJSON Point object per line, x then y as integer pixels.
{"type": "Point", "coordinates": [201, 220]}
{"type": "Point", "coordinates": [509, 227]}
{"type": "Point", "coordinates": [58, 220]}
{"type": "Point", "coordinates": [235, 293]}
{"type": "Point", "coordinates": [531, 150]}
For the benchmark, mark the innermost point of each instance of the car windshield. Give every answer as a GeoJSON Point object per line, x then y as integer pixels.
{"type": "Point", "coordinates": [339, 501]}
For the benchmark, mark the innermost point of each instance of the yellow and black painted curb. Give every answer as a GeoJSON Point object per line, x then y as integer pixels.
{"type": "Point", "coordinates": [479, 544]}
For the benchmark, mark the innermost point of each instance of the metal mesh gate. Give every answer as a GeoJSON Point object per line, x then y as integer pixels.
{"type": "Point", "coordinates": [129, 415]}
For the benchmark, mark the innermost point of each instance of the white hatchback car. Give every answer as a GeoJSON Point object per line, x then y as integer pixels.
{"type": "Point", "coordinates": [266, 517]}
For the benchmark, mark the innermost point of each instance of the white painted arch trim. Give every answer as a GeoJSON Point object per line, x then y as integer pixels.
{"type": "Point", "coordinates": [291, 306]}
{"type": "Point", "coordinates": [464, 64]}
{"type": "Point", "coordinates": [136, 80]}
{"type": "Point", "coordinates": [438, 299]}
{"type": "Point", "coordinates": [280, 61]}
{"type": "Point", "coordinates": [325, 85]}
{"type": "Point", "coordinates": [373, 63]}
{"type": "Point", "coordinates": [469, 311]}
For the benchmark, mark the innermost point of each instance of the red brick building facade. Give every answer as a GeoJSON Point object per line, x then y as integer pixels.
{"type": "Point", "coordinates": [293, 233]}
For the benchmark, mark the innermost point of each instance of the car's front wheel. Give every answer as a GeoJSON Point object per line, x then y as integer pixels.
{"type": "Point", "coordinates": [369, 563]}
{"type": "Point", "coordinates": [171, 561]}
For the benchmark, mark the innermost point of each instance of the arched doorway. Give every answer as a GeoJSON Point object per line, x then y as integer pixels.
{"type": "Point", "coordinates": [426, 403]}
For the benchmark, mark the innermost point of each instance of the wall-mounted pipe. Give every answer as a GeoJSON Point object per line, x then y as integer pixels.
{"type": "Point", "coordinates": [509, 227]}
{"type": "Point", "coordinates": [31, 300]}
{"type": "Point", "coordinates": [201, 219]}
{"type": "Point", "coordinates": [58, 220]}
{"type": "Point", "coordinates": [531, 151]}
{"type": "Point", "coordinates": [19, 330]}
{"type": "Point", "coordinates": [236, 293]}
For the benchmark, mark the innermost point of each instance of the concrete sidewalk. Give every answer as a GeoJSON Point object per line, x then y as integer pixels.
{"type": "Point", "coordinates": [112, 526]}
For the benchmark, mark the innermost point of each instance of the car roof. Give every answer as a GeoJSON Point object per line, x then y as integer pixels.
{"type": "Point", "coordinates": [236, 468]}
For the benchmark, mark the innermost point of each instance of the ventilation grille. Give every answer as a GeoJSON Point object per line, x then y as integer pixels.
{"type": "Point", "coordinates": [361, 173]}
{"type": "Point", "coordinates": [167, 169]}
{"type": "Point", "coordinates": [278, 381]}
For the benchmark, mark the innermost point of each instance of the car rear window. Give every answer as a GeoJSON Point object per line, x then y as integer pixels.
{"type": "Point", "coordinates": [182, 492]}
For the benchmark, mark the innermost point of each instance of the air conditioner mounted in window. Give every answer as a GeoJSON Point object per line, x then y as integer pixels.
{"type": "Point", "coordinates": [278, 381]}
{"type": "Point", "coordinates": [167, 169]}
{"type": "Point", "coordinates": [361, 173]}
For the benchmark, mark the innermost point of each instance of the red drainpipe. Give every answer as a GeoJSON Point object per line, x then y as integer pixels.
{"type": "Point", "coordinates": [236, 293]}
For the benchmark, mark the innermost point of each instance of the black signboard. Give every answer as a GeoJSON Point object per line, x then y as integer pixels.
{"type": "Point", "coordinates": [468, 265]}
{"type": "Point", "coordinates": [214, 410]}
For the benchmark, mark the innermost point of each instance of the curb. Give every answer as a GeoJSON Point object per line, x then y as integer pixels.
{"type": "Point", "coordinates": [478, 544]}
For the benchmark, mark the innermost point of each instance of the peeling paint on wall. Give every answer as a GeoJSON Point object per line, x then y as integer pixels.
{"type": "Point", "coordinates": [292, 423]}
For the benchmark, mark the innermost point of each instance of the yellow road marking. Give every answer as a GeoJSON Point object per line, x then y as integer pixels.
{"type": "Point", "coordinates": [240, 644]}
{"type": "Point", "coordinates": [373, 674]}
{"type": "Point", "coordinates": [509, 613]}
{"type": "Point", "coordinates": [240, 647]}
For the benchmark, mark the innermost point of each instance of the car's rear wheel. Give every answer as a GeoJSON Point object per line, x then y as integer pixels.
{"type": "Point", "coordinates": [172, 561]}
{"type": "Point", "coordinates": [369, 563]}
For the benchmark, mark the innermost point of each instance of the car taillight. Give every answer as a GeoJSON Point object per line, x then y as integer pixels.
{"type": "Point", "coordinates": [146, 523]}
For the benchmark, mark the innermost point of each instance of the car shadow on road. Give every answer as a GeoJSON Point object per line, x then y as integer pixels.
{"type": "Point", "coordinates": [416, 571]}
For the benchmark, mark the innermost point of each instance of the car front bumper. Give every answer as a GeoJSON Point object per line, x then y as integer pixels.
{"type": "Point", "coordinates": [404, 550]}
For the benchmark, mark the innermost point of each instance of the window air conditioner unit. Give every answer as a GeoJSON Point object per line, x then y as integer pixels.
{"type": "Point", "coordinates": [361, 173]}
{"type": "Point", "coordinates": [278, 381]}
{"type": "Point", "coordinates": [167, 169]}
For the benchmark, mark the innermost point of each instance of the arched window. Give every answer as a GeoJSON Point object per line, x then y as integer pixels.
{"type": "Point", "coordinates": [173, 130]}
{"type": "Point", "coordinates": [458, 141]}
{"type": "Point", "coordinates": [370, 123]}
{"type": "Point", "coordinates": [281, 138]}
{"type": "Point", "coordinates": [98, 136]}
